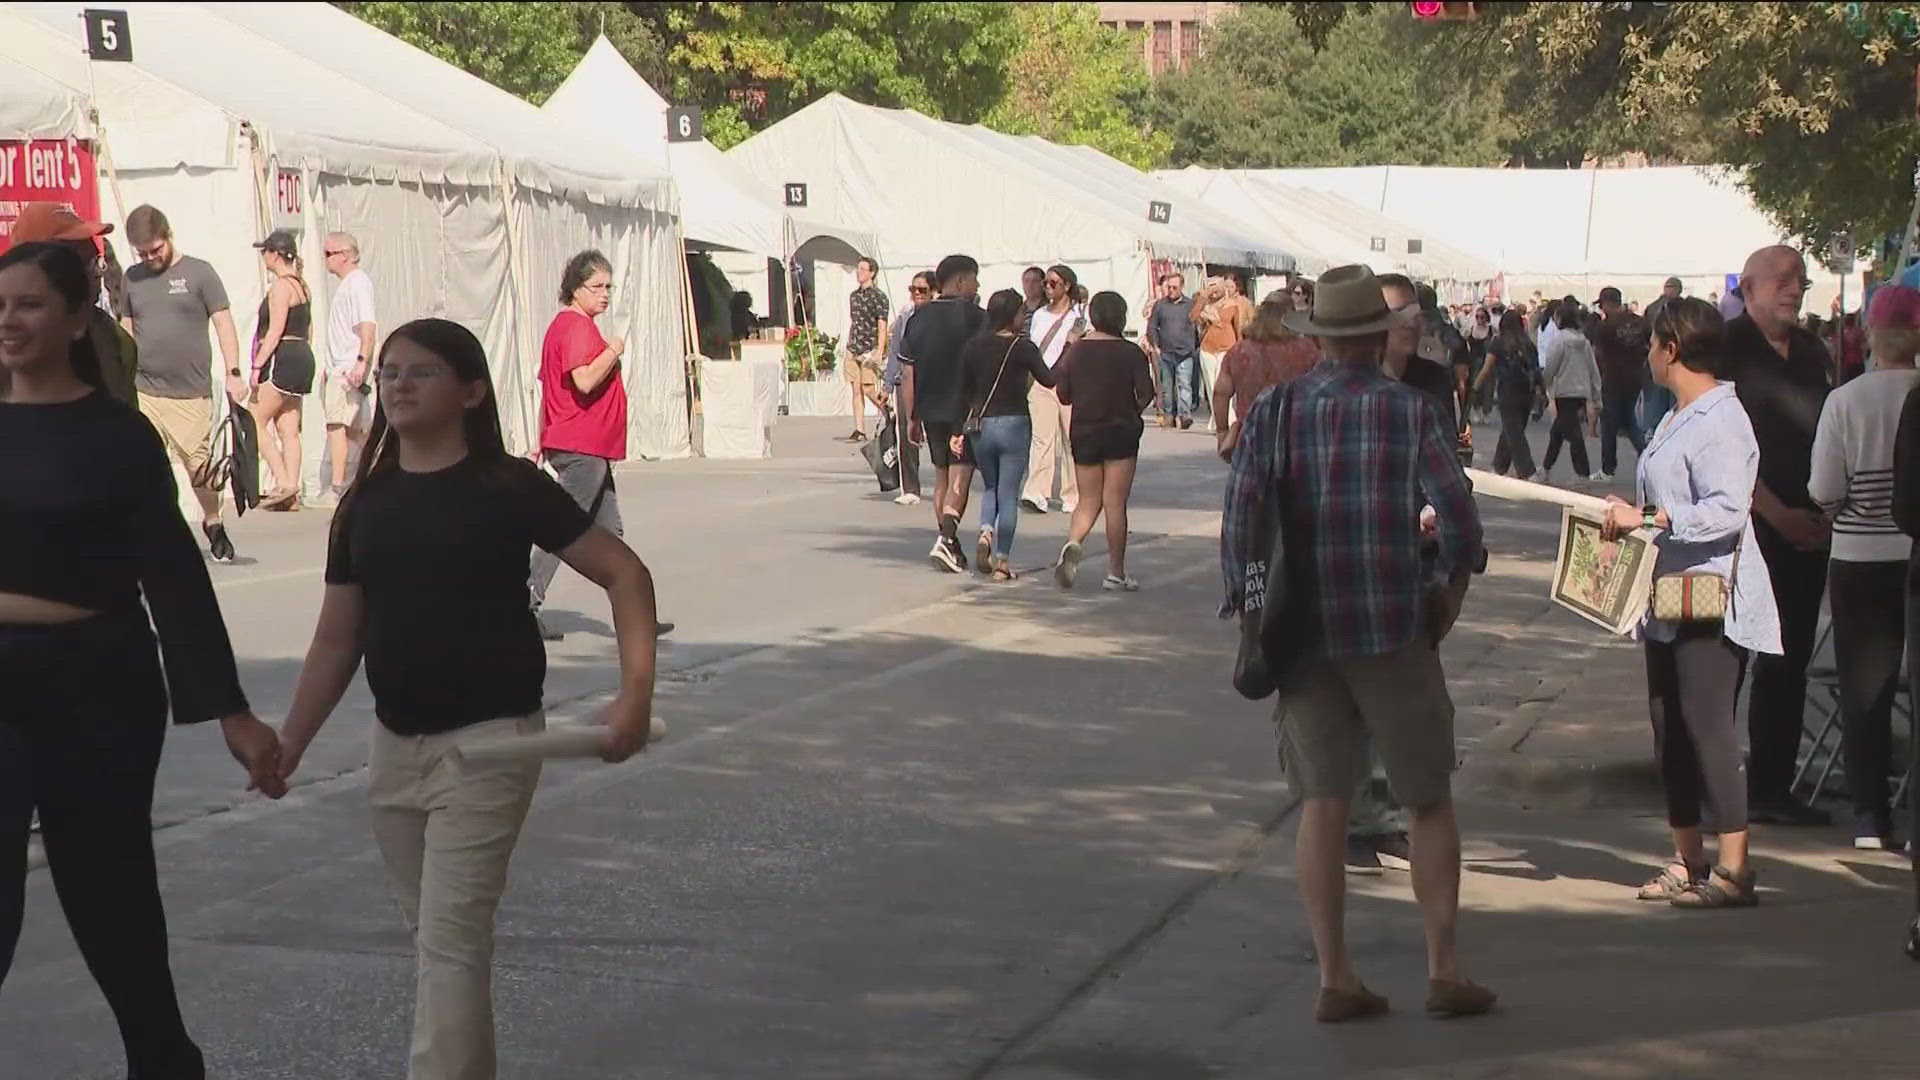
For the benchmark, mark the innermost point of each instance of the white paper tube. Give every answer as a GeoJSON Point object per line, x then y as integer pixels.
{"type": "Point", "coordinates": [565, 741]}
{"type": "Point", "coordinates": [1506, 487]}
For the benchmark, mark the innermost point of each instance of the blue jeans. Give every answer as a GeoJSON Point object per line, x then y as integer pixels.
{"type": "Point", "coordinates": [1655, 402]}
{"type": "Point", "coordinates": [1000, 452]}
{"type": "Point", "coordinates": [1176, 384]}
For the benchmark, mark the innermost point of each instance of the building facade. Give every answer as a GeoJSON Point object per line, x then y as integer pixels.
{"type": "Point", "coordinates": [1170, 33]}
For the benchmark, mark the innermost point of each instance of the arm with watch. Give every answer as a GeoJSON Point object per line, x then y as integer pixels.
{"type": "Point", "coordinates": [1721, 480]}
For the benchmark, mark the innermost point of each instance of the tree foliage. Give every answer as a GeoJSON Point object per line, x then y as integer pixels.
{"type": "Point", "coordinates": [1261, 96]}
{"type": "Point", "coordinates": [1076, 81]}
{"type": "Point", "coordinates": [525, 48]}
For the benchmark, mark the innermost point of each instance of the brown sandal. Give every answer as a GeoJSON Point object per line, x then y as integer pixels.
{"type": "Point", "coordinates": [1720, 889]}
{"type": "Point", "coordinates": [1338, 1006]}
{"type": "Point", "coordinates": [1669, 884]}
{"type": "Point", "coordinates": [1447, 999]}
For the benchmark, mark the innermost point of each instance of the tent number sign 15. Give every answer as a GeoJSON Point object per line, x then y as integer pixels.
{"type": "Point", "coordinates": [683, 124]}
{"type": "Point", "coordinates": [1160, 213]}
{"type": "Point", "coordinates": [796, 194]}
{"type": "Point", "coordinates": [107, 36]}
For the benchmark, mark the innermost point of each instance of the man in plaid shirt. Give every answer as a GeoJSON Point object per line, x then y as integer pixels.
{"type": "Point", "coordinates": [1354, 454]}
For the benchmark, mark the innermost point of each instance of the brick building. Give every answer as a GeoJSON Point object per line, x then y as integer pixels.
{"type": "Point", "coordinates": [1170, 32]}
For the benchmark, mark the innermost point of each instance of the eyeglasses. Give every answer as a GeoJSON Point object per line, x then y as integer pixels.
{"type": "Point", "coordinates": [151, 251]}
{"type": "Point", "coordinates": [391, 373]}
{"type": "Point", "coordinates": [603, 289]}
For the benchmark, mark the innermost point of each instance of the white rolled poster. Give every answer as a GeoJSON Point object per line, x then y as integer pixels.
{"type": "Point", "coordinates": [559, 741]}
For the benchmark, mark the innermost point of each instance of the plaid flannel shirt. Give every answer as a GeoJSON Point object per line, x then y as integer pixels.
{"type": "Point", "coordinates": [1365, 453]}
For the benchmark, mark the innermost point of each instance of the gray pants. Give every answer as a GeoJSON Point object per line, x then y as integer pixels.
{"type": "Point", "coordinates": [589, 480]}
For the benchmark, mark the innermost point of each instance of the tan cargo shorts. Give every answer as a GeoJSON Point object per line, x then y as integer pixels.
{"type": "Point", "coordinates": [1330, 707]}
{"type": "Point", "coordinates": [186, 427]}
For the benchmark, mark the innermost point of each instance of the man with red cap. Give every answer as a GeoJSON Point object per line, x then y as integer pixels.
{"type": "Point", "coordinates": [51, 222]}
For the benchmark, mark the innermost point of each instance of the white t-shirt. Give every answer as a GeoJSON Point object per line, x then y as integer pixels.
{"type": "Point", "coordinates": [1042, 323]}
{"type": "Point", "coordinates": [352, 305]}
{"type": "Point", "coordinates": [1853, 465]}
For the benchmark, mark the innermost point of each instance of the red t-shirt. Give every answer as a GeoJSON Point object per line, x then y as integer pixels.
{"type": "Point", "coordinates": [593, 423]}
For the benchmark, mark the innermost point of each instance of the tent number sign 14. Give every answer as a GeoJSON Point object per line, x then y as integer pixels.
{"type": "Point", "coordinates": [1160, 213]}
{"type": "Point", "coordinates": [107, 35]}
{"type": "Point", "coordinates": [683, 124]}
{"type": "Point", "coordinates": [796, 194]}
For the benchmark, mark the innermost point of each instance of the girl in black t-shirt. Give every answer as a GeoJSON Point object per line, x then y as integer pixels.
{"type": "Point", "coordinates": [427, 580]}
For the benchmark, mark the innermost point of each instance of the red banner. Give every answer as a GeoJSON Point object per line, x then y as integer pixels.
{"type": "Point", "coordinates": [46, 170]}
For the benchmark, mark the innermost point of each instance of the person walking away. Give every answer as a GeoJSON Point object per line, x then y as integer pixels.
{"type": "Point", "coordinates": [999, 363]}
{"type": "Point", "coordinates": [1780, 372]}
{"type": "Point", "coordinates": [49, 222]}
{"type": "Point", "coordinates": [919, 291]}
{"type": "Point", "coordinates": [345, 385]}
{"type": "Point", "coordinates": [1221, 315]}
{"type": "Point", "coordinates": [1620, 347]}
{"type": "Point", "coordinates": [1480, 334]}
{"type": "Point", "coordinates": [1572, 378]}
{"type": "Point", "coordinates": [933, 396]}
{"type": "Point", "coordinates": [1053, 328]}
{"type": "Point", "coordinates": [1174, 346]}
{"type": "Point", "coordinates": [95, 563]}
{"type": "Point", "coordinates": [1906, 514]}
{"type": "Point", "coordinates": [1694, 488]}
{"type": "Point", "coordinates": [425, 579]}
{"type": "Point", "coordinates": [583, 412]}
{"type": "Point", "coordinates": [1104, 378]}
{"type": "Point", "coordinates": [1367, 665]}
{"type": "Point", "coordinates": [282, 366]}
{"type": "Point", "coordinates": [1656, 400]}
{"type": "Point", "coordinates": [1852, 481]}
{"type": "Point", "coordinates": [1512, 372]}
{"type": "Point", "coordinates": [1272, 354]}
{"type": "Point", "coordinates": [866, 323]}
{"type": "Point", "coordinates": [171, 299]}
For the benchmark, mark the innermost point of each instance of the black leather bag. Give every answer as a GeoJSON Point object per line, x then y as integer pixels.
{"type": "Point", "coordinates": [1266, 634]}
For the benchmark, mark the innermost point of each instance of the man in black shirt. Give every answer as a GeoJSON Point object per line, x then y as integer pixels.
{"type": "Point", "coordinates": [1621, 348]}
{"type": "Point", "coordinates": [933, 395]}
{"type": "Point", "coordinates": [1780, 372]}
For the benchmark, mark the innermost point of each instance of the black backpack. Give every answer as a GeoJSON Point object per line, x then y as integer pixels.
{"type": "Point", "coordinates": [1516, 367]}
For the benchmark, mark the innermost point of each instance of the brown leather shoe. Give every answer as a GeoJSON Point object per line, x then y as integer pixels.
{"type": "Point", "coordinates": [1336, 1006]}
{"type": "Point", "coordinates": [1447, 999]}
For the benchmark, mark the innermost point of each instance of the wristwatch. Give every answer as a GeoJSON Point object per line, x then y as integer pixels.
{"type": "Point", "coordinates": [1649, 513]}
{"type": "Point", "coordinates": [233, 373]}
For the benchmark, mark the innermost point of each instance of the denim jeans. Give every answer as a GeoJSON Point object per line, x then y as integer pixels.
{"type": "Point", "coordinates": [1655, 402]}
{"type": "Point", "coordinates": [1176, 385]}
{"type": "Point", "coordinates": [1619, 416]}
{"type": "Point", "coordinates": [1000, 452]}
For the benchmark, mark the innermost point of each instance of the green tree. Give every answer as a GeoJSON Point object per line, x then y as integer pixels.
{"type": "Point", "coordinates": [1261, 96]}
{"type": "Point", "coordinates": [524, 48]}
{"type": "Point", "coordinates": [1076, 81]}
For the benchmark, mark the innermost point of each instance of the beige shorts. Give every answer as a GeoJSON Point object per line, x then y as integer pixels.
{"type": "Point", "coordinates": [863, 370]}
{"type": "Point", "coordinates": [1330, 707]}
{"type": "Point", "coordinates": [344, 406]}
{"type": "Point", "coordinates": [186, 427]}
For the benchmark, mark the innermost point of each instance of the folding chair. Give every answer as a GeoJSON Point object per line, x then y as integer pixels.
{"type": "Point", "coordinates": [1822, 733]}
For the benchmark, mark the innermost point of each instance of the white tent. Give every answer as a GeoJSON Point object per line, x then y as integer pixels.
{"type": "Point", "coordinates": [721, 205]}
{"type": "Point", "coordinates": [465, 199]}
{"type": "Point", "coordinates": [930, 189]}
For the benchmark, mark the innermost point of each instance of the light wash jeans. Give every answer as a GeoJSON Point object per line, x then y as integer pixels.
{"type": "Point", "coordinates": [1176, 385]}
{"type": "Point", "coordinates": [1000, 452]}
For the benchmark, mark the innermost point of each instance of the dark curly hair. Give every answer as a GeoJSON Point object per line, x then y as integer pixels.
{"type": "Point", "coordinates": [579, 269]}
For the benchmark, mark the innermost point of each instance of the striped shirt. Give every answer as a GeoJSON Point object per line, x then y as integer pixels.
{"type": "Point", "coordinates": [1853, 465]}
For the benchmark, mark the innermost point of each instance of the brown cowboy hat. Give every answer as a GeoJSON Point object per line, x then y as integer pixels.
{"type": "Point", "coordinates": [1347, 303]}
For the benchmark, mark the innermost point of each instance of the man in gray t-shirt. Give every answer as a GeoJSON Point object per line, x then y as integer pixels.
{"type": "Point", "coordinates": [170, 299]}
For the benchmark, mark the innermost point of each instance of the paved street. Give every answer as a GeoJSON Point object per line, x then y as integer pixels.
{"type": "Point", "coordinates": [909, 825]}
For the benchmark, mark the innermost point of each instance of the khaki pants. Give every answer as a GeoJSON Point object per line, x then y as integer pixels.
{"type": "Point", "coordinates": [446, 833]}
{"type": "Point", "coordinates": [1050, 423]}
{"type": "Point", "coordinates": [1210, 363]}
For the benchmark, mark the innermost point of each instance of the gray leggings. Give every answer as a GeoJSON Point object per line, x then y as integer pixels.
{"type": "Point", "coordinates": [589, 480]}
{"type": "Point", "coordinates": [1692, 683]}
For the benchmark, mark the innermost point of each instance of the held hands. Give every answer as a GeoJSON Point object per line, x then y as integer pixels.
{"type": "Point", "coordinates": [629, 724]}
{"type": "Point", "coordinates": [257, 748]}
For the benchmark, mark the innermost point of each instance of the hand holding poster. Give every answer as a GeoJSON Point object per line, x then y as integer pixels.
{"type": "Point", "coordinates": [1606, 582]}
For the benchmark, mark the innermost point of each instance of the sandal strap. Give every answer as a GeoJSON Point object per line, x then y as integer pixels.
{"type": "Point", "coordinates": [1713, 891]}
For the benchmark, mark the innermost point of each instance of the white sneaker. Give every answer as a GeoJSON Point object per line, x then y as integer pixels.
{"type": "Point", "coordinates": [1068, 508]}
{"type": "Point", "coordinates": [1120, 584]}
{"type": "Point", "coordinates": [1068, 567]}
{"type": "Point", "coordinates": [908, 499]}
{"type": "Point", "coordinates": [1607, 476]}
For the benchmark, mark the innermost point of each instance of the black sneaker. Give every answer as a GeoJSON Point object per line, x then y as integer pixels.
{"type": "Point", "coordinates": [946, 556]}
{"type": "Point", "coordinates": [1394, 851]}
{"type": "Point", "coordinates": [219, 544]}
{"type": "Point", "coordinates": [1874, 832]}
{"type": "Point", "coordinates": [1361, 856]}
{"type": "Point", "coordinates": [1788, 811]}
{"type": "Point", "coordinates": [1186, 423]}
{"type": "Point", "coordinates": [662, 629]}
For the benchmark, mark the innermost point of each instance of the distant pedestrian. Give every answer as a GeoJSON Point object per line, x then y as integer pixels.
{"type": "Point", "coordinates": [1222, 314]}
{"type": "Point", "coordinates": [283, 369]}
{"type": "Point", "coordinates": [1695, 489]}
{"type": "Point", "coordinates": [866, 323]}
{"type": "Point", "coordinates": [919, 291]}
{"type": "Point", "coordinates": [425, 578]}
{"type": "Point", "coordinates": [1366, 664]}
{"type": "Point", "coordinates": [99, 565]}
{"type": "Point", "coordinates": [171, 299]}
{"type": "Point", "coordinates": [1620, 347]}
{"type": "Point", "coordinates": [1173, 345]}
{"type": "Point", "coordinates": [1573, 388]}
{"type": "Point", "coordinates": [1104, 379]}
{"type": "Point", "coordinates": [1053, 328]}
{"type": "Point", "coordinates": [1512, 373]}
{"type": "Point", "coordinates": [933, 396]}
{"type": "Point", "coordinates": [1656, 400]}
{"type": "Point", "coordinates": [1271, 354]}
{"type": "Point", "coordinates": [1033, 291]}
{"type": "Point", "coordinates": [347, 383]}
{"type": "Point", "coordinates": [1000, 362]}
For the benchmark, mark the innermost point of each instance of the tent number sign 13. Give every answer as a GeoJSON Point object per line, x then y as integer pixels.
{"type": "Point", "coordinates": [683, 124]}
{"type": "Point", "coordinates": [796, 194]}
{"type": "Point", "coordinates": [107, 36]}
{"type": "Point", "coordinates": [1160, 213]}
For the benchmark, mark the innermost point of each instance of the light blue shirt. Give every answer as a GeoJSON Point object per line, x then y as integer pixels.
{"type": "Point", "coordinates": [1701, 467]}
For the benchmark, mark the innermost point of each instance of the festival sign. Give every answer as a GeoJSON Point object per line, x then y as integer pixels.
{"type": "Point", "coordinates": [46, 170]}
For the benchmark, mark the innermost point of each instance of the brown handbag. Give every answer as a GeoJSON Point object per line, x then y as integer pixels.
{"type": "Point", "coordinates": [1695, 596]}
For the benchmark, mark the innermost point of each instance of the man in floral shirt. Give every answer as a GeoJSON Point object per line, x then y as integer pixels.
{"type": "Point", "coordinates": [867, 312]}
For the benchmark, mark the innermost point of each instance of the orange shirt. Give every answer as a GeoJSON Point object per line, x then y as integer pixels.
{"type": "Point", "coordinates": [1230, 317]}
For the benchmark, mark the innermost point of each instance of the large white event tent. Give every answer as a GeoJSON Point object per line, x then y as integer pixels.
{"type": "Point", "coordinates": [721, 205]}
{"type": "Point", "coordinates": [928, 189]}
{"type": "Point", "coordinates": [1574, 231]}
{"type": "Point", "coordinates": [1334, 229]}
{"type": "Point", "coordinates": [466, 199]}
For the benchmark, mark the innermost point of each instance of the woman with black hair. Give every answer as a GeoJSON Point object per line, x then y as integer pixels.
{"type": "Point", "coordinates": [1000, 364]}
{"type": "Point", "coordinates": [93, 527]}
{"type": "Point", "coordinates": [1053, 328]}
{"type": "Point", "coordinates": [1104, 378]}
{"type": "Point", "coordinates": [426, 578]}
{"type": "Point", "coordinates": [1512, 375]}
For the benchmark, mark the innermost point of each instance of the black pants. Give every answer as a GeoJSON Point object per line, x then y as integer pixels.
{"type": "Point", "coordinates": [1514, 449]}
{"type": "Point", "coordinates": [1692, 684]}
{"type": "Point", "coordinates": [1619, 415]}
{"type": "Point", "coordinates": [1869, 634]}
{"type": "Point", "coordinates": [1569, 414]}
{"type": "Point", "coordinates": [1913, 665]}
{"type": "Point", "coordinates": [909, 456]}
{"type": "Point", "coordinates": [85, 714]}
{"type": "Point", "coordinates": [1777, 701]}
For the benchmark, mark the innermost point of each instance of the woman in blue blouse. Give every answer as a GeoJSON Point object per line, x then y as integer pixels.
{"type": "Point", "coordinates": [1696, 483]}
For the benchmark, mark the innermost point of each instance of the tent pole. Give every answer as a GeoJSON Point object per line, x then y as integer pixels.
{"type": "Point", "coordinates": [692, 327]}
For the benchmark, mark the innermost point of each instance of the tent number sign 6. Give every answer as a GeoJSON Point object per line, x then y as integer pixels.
{"type": "Point", "coordinates": [683, 124]}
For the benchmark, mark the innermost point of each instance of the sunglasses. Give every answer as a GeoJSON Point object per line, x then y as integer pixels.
{"type": "Point", "coordinates": [918, 290]}
{"type": "Point", "coordinates": [336, 251]}
{"type": "Point", "coordinates": [152, 251]}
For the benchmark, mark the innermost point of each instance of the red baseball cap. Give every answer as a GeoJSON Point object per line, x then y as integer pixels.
{"type": "Point", "coordinates": [40, 221]}
{"type": "Point", "coordinates": [1894, 307]}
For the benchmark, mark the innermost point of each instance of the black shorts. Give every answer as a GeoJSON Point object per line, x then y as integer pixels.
{"type": "Point", "coordinates": [1116, 442]}
{"type": "Point", "coordinates": [940, 445]}
{"type": "Point", "coordinates": [290, 369]}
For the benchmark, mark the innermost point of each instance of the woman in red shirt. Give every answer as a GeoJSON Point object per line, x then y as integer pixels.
{"type": "Point", "coordinates": [1271, 354]}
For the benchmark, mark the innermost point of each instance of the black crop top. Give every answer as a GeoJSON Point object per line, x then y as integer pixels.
{"type": "Point", "coordinates": [299, 318]}
{"type": "Point", "coordinates": [89, 516]}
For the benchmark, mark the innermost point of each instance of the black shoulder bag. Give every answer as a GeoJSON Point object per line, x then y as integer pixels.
{"type": "Point", "coordinates": [1267, 636]}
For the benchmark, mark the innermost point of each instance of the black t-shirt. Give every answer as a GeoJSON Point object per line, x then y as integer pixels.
{"type": "Point", "coordinates": [1783, 398]}
{"type": "Point", "coordinates": [1436, 381]}
{"type": "Point", "coordinates": [450, 639]}
{"type": "Point", "coordinates": [935, 338]}
{"type": "Point", "coordinates": [1516, 369]}
{"type": "Point", "coordinates": [984, 357]}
